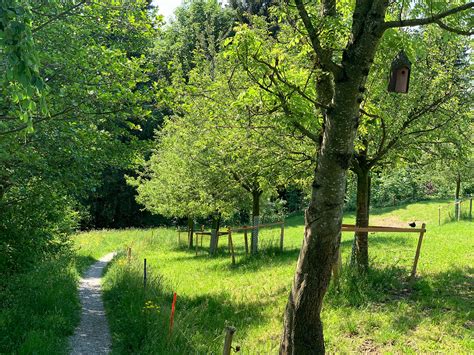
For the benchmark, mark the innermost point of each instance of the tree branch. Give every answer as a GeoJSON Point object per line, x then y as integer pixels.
{"type": "Point", "coordinates": [427, 20]}
{"type": "Point", "coordinates": [305, 131]}
{"type": "Point", "coordinates": [58, 16]}
{"type": "Point", "coordinates": [454, 30]}
{"type": "Point", "coordinates": [322, 54]}
{"type": "Point", "coordinates": [292, 86]}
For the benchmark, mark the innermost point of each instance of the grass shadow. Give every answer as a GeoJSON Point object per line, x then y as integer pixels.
{"type": "Point", "coordinates": [82, 262]}
{"type": "Point", "coordinates": [140, 317]}
{"type": "Point", "coordinates": [383, 239]}
{"type": "Point", "coordinates": [444, 297]}
{"type": "Point", "coordinates": [266, 258]}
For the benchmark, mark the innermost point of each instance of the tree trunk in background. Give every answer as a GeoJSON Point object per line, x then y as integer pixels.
{"type": "Point", "coordinates": [457, 195]}
{"type": "Point", "coordinates": [303, 330]}
{"type": "Point", "coordinates": [214, 237]}
{"type": "Point", "coordinates": [190, 232]}
{"type": "Point", "coordinates": [255, 220]}
{"type": "Point", "coordinates": [360, 246]}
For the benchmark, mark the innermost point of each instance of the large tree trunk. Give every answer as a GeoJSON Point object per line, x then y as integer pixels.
{"type": "Point", "coordinates": [303, 333]}
{"type": "Point", "coordinates": [303, 330]}
{"type": "Point", "coordinates": [361, 244]}
{"type": "Point", "coordinates": [255, 220]}
{"type": "Point", "coordinates": [190, 232]}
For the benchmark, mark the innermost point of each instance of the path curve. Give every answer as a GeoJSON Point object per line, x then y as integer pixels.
{"type": "Point", "coordinates": [92, 336]}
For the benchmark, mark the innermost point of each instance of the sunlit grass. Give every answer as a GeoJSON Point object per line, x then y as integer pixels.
{"type": "Point", "coordinates": [377, 313]}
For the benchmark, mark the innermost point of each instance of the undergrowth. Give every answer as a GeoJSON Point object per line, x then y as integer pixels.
{"type": "Point", "coordinates": [40, 308]}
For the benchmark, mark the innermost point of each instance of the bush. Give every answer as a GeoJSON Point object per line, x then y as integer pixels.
{"type": "Point", "coordinates": [34, 227]}
{"type": "Point", "coordinates": [397, 186]}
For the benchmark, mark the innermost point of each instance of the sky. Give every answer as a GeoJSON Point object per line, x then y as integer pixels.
{"type": "Point", "coordinates": [166, 7]}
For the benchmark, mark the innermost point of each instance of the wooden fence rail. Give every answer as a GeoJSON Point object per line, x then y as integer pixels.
{"type": "Point", "coordinates": [243, 229]}
{"type": "Point", "coordinates": [384, 229]}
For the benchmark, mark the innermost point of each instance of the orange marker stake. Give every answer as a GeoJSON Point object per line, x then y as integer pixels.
{"type": "Point", "coordinates": [173, 306]}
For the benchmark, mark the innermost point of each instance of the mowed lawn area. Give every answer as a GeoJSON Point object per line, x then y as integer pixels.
{"type": "Point", "coordinates": [376, 313]}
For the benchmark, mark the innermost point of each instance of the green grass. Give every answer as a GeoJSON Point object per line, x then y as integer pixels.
{"type": "Point", "coordinates": [379, 312]}
{"type": "Point", "coordinates": [39, 309]}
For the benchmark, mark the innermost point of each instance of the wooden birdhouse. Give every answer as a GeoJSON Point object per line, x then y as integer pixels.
{"type": "Point", "coordinates": [400, 74]}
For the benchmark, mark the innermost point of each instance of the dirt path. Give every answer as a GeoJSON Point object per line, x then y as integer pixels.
{"type": "Point", "coordinates": [92, 336]}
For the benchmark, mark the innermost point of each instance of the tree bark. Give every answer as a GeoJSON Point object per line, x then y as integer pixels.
{"type": "Point", "coordinates": [214, 234]}
{"type": "Point", "coordinates": [457, 195]}
{"type": "Point", "coordinates": [303, 330]}
{"type": "Point", "coordinates": [190, 232]}
{"type": "Point", "coordinates": [360, 247]}
{"type": "Point", "coordinates": [255, 220]}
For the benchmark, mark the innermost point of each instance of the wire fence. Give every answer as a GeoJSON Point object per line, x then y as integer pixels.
{"type": "Point", "coordinates": [458, 210]}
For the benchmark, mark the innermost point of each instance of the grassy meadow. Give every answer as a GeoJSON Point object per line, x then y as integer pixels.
{"type": "Point", "coordinates": [376, 313]}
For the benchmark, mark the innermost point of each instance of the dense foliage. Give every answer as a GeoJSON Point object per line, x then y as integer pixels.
{"type": "Point", "coordinates": [75, 86]}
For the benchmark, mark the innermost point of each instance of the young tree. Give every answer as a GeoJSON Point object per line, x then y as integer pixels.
{"type": "Point", "coordinates": [395, 128]}
{"type": "Point", "coordinates": [217, 115]}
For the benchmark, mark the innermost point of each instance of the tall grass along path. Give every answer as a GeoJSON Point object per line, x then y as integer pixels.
{"type": "Point", "coordinates": [92, 336]}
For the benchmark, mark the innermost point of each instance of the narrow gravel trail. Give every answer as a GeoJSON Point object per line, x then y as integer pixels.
{"type": "Point", "coordinates": [92, 336]}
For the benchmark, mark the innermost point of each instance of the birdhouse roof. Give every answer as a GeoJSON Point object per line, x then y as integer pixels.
{"type": "Point", "coordinates": [401, 61]}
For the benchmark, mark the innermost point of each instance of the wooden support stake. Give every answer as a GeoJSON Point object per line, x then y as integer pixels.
{"type": "Point", "coordinates": [417, 254]}
{"type": "Point", "coordinates": [179, 237]}
{"type": "Point", "coordinates": [129, 254]}
{"type": "Point", "coordinates": [197, 243]}
{"type": "Point", "coordinates": [231, 246]}
{"type": "Point", "coordinates": [439, 215]}
{"type": "Point", "coordinates": [470, 208]}
{"type": "Point", "coordinates": [228, 340]}
{"type": "Point", "coordinates": [282, 235]}
{"type": "Point", "coordinates": [228, 241]}
{"type": "Point", "coordinates": [144, 273]}
{"type": "Point", "coordinates": [459, 211]}
{"type": "Point", "coordinates": [246, 241]}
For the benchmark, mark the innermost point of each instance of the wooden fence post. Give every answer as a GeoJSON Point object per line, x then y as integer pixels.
{"type": "Point", "coordinates": [282, 235]}
{"type": "Point", "coordinates": [439, 215]}
{"type": "Point", "coordinates": [179, 237]}
{"type": "Point", "coordinates": [231, 246]}
{"type": "Point", "coordinates": [129, 254]}
{"type": "Point", "coordinates": [197, 242]}
{"type": "Point", "coordinates": [144, 273]}
{"type": "Point", "coordinates": [228, 340]}
{"type": "Point", "coordinates": [246, 239]}
{"type": "Point", "coordinates": [417, 254]}
{"type": "Point", "coordinates": [470, 208]}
